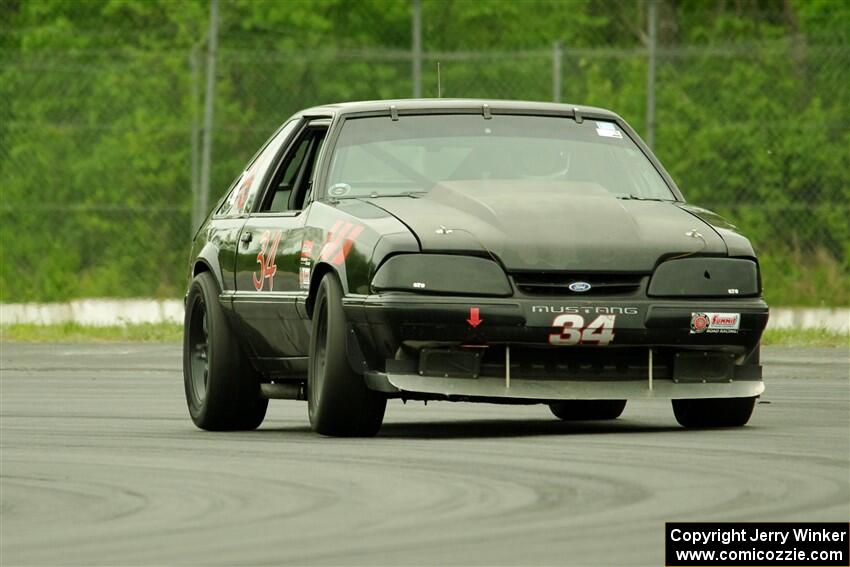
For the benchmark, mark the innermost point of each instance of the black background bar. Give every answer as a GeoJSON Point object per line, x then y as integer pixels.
{"type": "Point", "coordinates": [690, 544]}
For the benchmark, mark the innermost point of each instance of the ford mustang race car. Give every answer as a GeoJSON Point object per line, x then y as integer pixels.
{"type": "Point", "coordinates": [466, 250]}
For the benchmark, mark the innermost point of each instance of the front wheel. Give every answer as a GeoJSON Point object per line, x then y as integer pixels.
{"type": "Point", "coordinates": [222, 390]}
{"type": "Point", "coordinates": [339, 403]}
{"type": "Point", "coordinates": [714, 412]}
{"type": "Point", "coordinates": [579, 410]}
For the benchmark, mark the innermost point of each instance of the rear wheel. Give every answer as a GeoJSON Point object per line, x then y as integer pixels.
{"type": "Point", "coordinates": [339, 403]}
{"type": "Point", "coordinates": [222, 390]}
{"type": "Point", "coordinates": [714, 412]}
{"type": "Point", "coordinates": [576, 410]}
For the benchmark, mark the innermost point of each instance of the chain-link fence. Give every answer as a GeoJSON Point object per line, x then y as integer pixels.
{"type": "Point", "coordinates": [100, 149]}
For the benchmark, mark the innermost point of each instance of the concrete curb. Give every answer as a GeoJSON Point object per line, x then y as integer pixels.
{"type": "Point", "coordinates": [103, 312]}
{"type": "Point", "coordinates": [94, 312]}
{"type": "Point", "coordinates": [832, 319]}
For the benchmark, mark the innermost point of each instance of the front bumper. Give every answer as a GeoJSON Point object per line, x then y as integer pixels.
{"type": "Point", "coordinates": [653, 351]}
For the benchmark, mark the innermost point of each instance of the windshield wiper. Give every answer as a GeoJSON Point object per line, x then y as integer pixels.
{"type": "Point", "coordinates": [411, 194]}
{"type": "Point", "coordinates": [637, 198]}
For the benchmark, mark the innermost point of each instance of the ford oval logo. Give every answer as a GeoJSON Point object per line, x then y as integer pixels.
{"type": "Point", "coordinates": [579, 287]}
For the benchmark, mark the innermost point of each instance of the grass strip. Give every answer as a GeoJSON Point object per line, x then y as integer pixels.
{"type": "Point", "coordinates": [805, 338]}
{"type": "Point", "coordinates": [76, 333]}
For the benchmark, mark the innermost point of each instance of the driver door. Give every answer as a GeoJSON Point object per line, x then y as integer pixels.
{"type": "Point", "coordinates": [268, 258]}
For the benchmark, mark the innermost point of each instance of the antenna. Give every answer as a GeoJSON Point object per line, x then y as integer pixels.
{"type": "Point", "coordinates": [439, 86]}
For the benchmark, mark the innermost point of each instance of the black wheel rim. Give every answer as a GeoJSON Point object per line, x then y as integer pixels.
{"type": "Point", "coordinates": [199, 351]}
{"type": "Point", "coordinates": [319, 356]}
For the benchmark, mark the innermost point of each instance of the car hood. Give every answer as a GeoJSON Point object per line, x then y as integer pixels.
{"type": "Point", "coordinates": [547, 226]}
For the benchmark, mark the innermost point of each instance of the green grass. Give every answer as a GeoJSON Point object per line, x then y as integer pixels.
{"type": "Point", "coordinates": [76, 333]}
{"type": "Point", "coordinates": [805, 338]}
{"type": "Point", "coordinates": [169, 332]}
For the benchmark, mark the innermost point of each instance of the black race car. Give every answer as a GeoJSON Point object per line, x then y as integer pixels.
{"type": "Point", "coordinates": [466, 250]}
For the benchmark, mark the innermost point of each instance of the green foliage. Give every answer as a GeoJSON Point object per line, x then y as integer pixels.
{"type": "Point", "coordinates": [806, 279]}
{"type": "Point", "coordinates": [98, 101]}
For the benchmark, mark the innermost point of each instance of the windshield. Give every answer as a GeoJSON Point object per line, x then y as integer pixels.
{"type": "Point", "coordinates": [377, 156]}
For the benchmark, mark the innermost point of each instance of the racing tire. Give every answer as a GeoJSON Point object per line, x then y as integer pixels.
{"type": "Point", "coordinates": [714, 412]}
{"type": "Point", "coordinates": [581, 410]}
{"type": "Point", "coordinates": [338, 402]}
{"type": "Point", "coordinates": [222, 389]}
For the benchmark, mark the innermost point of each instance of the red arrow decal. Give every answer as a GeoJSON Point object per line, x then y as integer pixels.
{"type": "Point", "coordinates": [474, 319]}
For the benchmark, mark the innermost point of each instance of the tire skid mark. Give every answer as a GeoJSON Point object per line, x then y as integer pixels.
{"type": "Point", "coordinates": [107, 469]}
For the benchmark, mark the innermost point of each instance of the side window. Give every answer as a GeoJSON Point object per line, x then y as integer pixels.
{"type": "Point", "coordinates": [292, 182]}
{"type": "Point", "coordinates": [284, 181]}
{"type": "Point", "coordinates": [245, 190]}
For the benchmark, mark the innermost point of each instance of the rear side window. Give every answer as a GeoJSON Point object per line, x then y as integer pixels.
{"type": "Point", "coordinates": [292, 182]}
{"type": "Point", "coordinates": [288, 177]}
{"type": "Point", "coordinates": [244, 192]}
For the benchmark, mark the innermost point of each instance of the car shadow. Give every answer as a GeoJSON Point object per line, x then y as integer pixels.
{"type": "Point", "coordinates": [503, 428]}
{"type": "Point", "coordinates": [493, 428]}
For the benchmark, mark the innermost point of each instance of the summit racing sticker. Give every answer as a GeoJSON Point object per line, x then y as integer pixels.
{"type": "Point", "coordinates": [715, 322]}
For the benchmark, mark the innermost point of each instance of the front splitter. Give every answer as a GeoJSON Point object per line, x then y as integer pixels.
{"type": "Point", "coordinates": [553, 389]}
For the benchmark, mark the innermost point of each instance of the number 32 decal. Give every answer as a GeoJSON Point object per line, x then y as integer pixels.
{"type": "Point", "coordinates": [573, 331]}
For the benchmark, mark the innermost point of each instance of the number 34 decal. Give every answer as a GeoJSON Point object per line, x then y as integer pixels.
{"type": "Point", "coordinates": [573, 330]}
{"type": "Point", "coordinates": [266, 260]}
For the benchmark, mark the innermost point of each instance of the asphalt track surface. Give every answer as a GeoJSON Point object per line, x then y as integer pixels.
{"type": "Point", "coordinates": [100, 464]}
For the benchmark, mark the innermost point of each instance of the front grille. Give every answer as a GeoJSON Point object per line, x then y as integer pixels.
{"type": "Point", "coordinates": [555, 283]}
